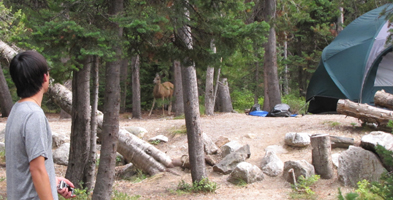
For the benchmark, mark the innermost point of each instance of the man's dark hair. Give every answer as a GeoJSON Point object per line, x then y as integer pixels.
{"type": "Point", "coordinates": [27, 71]}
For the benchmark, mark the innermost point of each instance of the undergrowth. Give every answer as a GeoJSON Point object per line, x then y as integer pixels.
{"type": "Point", "coordinates": [202, 186]}
{"type": "Point", "coordinates": [302, 190]}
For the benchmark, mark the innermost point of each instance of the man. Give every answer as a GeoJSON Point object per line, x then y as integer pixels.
{"type": "Point", "coordinates": [28, 137]}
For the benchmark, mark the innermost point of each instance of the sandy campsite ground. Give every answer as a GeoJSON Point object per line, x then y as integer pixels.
{"type": "Point", "coordinates": [258, 132]}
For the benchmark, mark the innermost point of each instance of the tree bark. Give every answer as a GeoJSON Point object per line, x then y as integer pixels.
{"type": "Point", "coordinates": [224, 97]}
{"type": "Point", "coordinates": [139, 152]}
{"type": "Point", "coordinates": [110, 126]}
{"type": "Point", "coordinates": [136, 89]}
{"type": "Point", "coordinates": [365, 112]}
{"type": "Point", "coordinates": [194, 132]}
{"type": "Point", "coordinates": [123, 85]}
{"type": "Point", "coordinates": [321, 155]}
{"type": "Point", "coordinates": [178, 90]}
{"type": "Point", "coordinates": [80, 127]}
{"type": "Point", "coordinates": [7, 51]}
{"type": "Point", "coordinates": [341, 142]}
{"type": "Point", "coordinates": [209, 91]}
{"type": "Point", "coordinates": [270, 66]}
{"type": "Point", "coordinates": [64, 114]}
{"type": "Point", "coordinates": [91, 163]}
{"type": "Point", "coordinates": [5, 95]}
{"type": "Point", "coordinates": [383, 99]}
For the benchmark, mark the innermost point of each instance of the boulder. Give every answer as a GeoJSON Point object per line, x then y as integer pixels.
{"type": "Point", "coordinates": [59, 139]}
{"type": "Point", "coordinates": [335, 157]}
{"type": "Point", "coordinates": [208, 145]}
{"type": "Point", "coordinates": [271, 164]}
{"type": "Point", "coordinates": [371, 140]}
{"type": "Point", "coordinates": [160, 138]}
{"type": "Point", "coordinates": [61, 154]}
{"type": "Point", "coordinates": [137, 131]}
{"type": "Point", "coordinates": [301, 167]}
{"type": "Point", "coordinates": [246, 172]}
{"type": "Point", "coordinates": [356, 164]}
{"type": "Point", "coordinates": [229, 163]}
{"type": "Point", "coordinates": [230, 147]}
{"type": "Point", "coordinates": [221, 141]}
{"type": "Point", "coordinates": [297, 139]}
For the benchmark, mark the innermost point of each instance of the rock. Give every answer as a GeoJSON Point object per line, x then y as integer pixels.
{"type": "Point", "coordinates": [210, 160]}
{"type": "Point", "coordinates": [228, 164]}
{"type": "Point", "coordinates": [356, 164]}
{"type": "Point", "coordinates": [335, 159]}
{"type": "Point", "coordinates": [230, 147]}
{"type": "Point", "coordinates": [276, 148]}
{"type": "Point", "coordinates": [160, 138]}
{"type": "Point", "coordinates": [371, 140]}
{"type": "Point", "coordinates": [125, 171]}
{"type": "Point", "coordinates": [297, 139]}
{"type": "Point", "coordinates": [208, 145]}
{"type": "Point", "coordinates": [137, 131]}
{"type": "Point", "coordinates": [301, 167]}
{"type": "Point", "coordinates": [251, 136]}
{"type": "Point", "coordinates": [59, 139]}
{"type": "Point", "coordinates": [247, 172]}
{"type": "Point", "coordinates": [221, 141]}
{"type": "Point", "coordinates": [271, 164]}
{"type": "Point", "coordinates": [61, 154]}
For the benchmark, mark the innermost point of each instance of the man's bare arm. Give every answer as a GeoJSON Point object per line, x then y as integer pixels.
{"type": "Point", "coordinates": [40, 178]}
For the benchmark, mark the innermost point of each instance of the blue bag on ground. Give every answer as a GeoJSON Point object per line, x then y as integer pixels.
{"type": "Point", "coordinates": [280, 110]}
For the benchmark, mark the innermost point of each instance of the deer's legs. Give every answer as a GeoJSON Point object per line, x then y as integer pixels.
{"type": "Point", "coordinates": [154, 101]}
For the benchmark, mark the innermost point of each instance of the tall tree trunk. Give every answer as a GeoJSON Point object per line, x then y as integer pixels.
{"type": "Point", "coordinates": [178, 90]}
{"type": "Point", "coordinates": [286, 73]}
{"type": "Point", "coordinates": [123, 84]}
{"type": "Point", "coordinates": [270, 66]}
{"type": "Point", "coordinates": [110, 129]}
{"type": "Point", "coordinates": [80, 128]}
{"type": "Point", "coordinates": [209, 88]}
{"type": "Point", "coordinates": [340, 20]}
{"type": "Point", "coordinates": [256, 91]}
{"type": "Point", "coordinates": [224, 96]}
{"type": "Point", "coordinates": [91, 163]}
{"type": "Point", "coordinates": [194, 132]}
{"type": "Point", "coordinates": [136, 89]}
{"type": "Point", "coordinates": [5, 95]}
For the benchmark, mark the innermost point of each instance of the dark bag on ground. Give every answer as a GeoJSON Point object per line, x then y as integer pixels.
{"type": "Point", "coordinates": [255, 107]}
{"type": "Point", "coordinates": [280, 110]}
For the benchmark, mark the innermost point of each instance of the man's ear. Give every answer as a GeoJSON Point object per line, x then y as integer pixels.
{"type": "Point", "coordinates": [46, 77]}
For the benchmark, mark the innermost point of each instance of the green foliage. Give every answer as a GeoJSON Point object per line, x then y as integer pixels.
{"type": "Point", "coordinates": [140, 176]}
{"type": "Point", "coordinates": [117, 195]}
{"type": "Point", "coordinates": [181, 130]}
{"type": "Point", "coordinates": [349, 196]}
{"type": "Point", "coordinates": [296, 103]}
{"type": "Point", "coordinates": [10, 22]}
{"type": "Point", "coordinates": [155, 142]}
{"type": "Point", "coordinates": [332, 123]}
{"type": "Point", "coordinates": [202, 186]}
{"type": "Point", "coordinates": [242, 99]}
{"type": "Point", "coordinates": [80, 194]}
{"type": "Point", "coordinates": [302, 190]}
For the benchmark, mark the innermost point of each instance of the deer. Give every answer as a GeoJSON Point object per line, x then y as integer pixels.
{"type": "Point", "coordinates": [163, 91]}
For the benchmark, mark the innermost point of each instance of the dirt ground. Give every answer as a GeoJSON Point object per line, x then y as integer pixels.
{"type": "Point", "coordinates": [258, 132]}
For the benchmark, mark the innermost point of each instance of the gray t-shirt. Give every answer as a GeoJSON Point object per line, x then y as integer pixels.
{"type": "Point", "coordinates": [27, 136]}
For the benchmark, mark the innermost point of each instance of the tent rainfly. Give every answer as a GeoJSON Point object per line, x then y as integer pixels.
{"type": "Point", "coordinates": [355, 65]}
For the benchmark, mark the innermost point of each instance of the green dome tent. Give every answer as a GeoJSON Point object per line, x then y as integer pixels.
{"type": "Point", "coordinates": [355, 65]}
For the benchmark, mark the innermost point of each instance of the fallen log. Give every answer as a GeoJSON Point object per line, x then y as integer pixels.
{"type": "Point", "coordinates": [365, 112]}
{"type": "Point", "coordinates": [341, 142]}
{"type": "Point", "coordinates": [142, 154]}
{"type": "Point", "coordinates": [383, 99]}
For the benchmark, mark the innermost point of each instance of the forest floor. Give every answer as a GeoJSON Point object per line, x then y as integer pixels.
{"type": "Point", "coordinates": [258, 132]}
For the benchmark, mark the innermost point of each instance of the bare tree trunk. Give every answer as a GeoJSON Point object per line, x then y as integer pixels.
{"type": "Point", "coordinates": [321, 155]}
{"type": "Point", "coordinates": [286, 73]}
{"type": "Point", "coordinates": [136, 89]}
{"type": "Point", "coordinates": [123, 85]}
{"type": "Point", "coordinates": [256, 92]}
{"type": "Point", "coordinates": [224, 96]}
{"type": "Point", "coordinates": [209, 91]}
{"type": "Point", "coordinates": [5, 95]}
{"type": "Point", "coordinates": [80, 128]}
{"type": "Point", "coordinates": [7, 51]}
{"type": "Point", "coordinates": [340, 20]}
{"type": "Point", "coordinates": [110, 126]}
{"type": "Point", "coordinates": [91, 163]}
{"type": "Point", "coordinates": [194, 132]}
{"type": "Point", "coordinates": [272, 88]}
{"type": "Point", "coordinates": [178, 89]}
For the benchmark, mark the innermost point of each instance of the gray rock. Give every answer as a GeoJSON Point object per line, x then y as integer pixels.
{"type": "Point", "coordinates": [137, 131]}
{"type": "Point", "coordinates": [125, 171]}
{"type": "Point", "coordinates": [301, 167]}
{"type": "Point", "coordinates": [61, 154]}
{"type": "Point", "coordinates": [356, 164]}
{"type": "Point", "coordinates": [271, 164]}
{"type": "Point", "coordinates": [59, 139]}
{"type": "Point", "coordinates": [221, 141]}
{"type": "Point", "coordinates": [278, 149]}
{"type": "Point", "coordinates": [297, 139]}
{"type": "Point", "coordinates": [208, 145]}
{"type": "Point", "coordinates": [335, 159]}
{"type": "Point", "coordinates": [230, 147]}
{"type": "Point", "coordinates": [371, 140]}
{"type": "Point", "coordinates": [161, 138]}
{"type": "Point", "coordinates": [247, 172]}
{"type": "Point", "coordinates": [228, 164]}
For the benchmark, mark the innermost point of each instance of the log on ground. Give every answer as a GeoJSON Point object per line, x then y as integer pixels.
{"type": "Point", "coordinates": [383, 99]}
{"type": "Point", "coordinates": [341, 142]}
